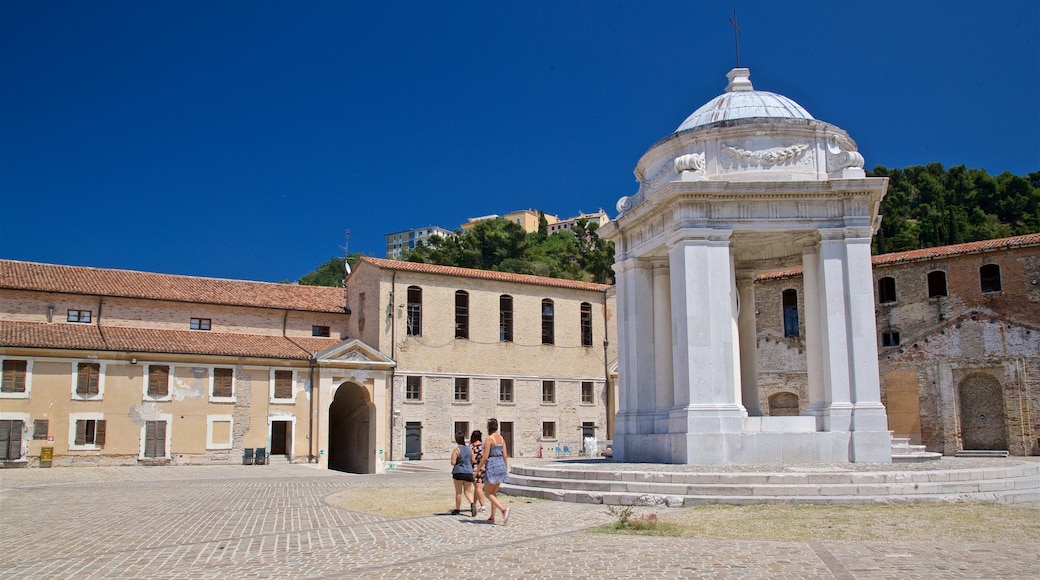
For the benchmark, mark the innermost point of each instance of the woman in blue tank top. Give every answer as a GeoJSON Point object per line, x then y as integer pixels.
{"type": "Point", "coordinates": [462, 475]}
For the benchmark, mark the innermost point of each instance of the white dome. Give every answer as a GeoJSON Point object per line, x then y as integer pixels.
{"type": "Point", "coordinates": [741, 101]}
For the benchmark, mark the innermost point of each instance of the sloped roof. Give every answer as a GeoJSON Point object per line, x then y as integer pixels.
{"type": "Point", "coordinates": [147, 285]}
{"type": "Point", "coordinates": [117, 338]}
{"type": "Point", "coordinates": [1024, 241]}
{"type": "Point", "coordinates": [402, 266]}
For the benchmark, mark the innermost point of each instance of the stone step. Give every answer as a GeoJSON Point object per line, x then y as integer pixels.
{"type": "Point", "coordinates": [981, 453]}
{"type": "Point", "coordinates": [1005, 484]}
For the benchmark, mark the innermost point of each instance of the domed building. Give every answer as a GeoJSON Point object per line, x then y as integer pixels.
{"type": "Point", "coordinates": [749, 182]}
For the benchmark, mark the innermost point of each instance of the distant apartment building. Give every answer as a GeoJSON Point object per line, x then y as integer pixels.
{"type": "Point", "coordinates": [527, 218]}
{"type": "Point", "coordinates": [599, 218]}
{"type": "Point", "coordinates": [398, 243]}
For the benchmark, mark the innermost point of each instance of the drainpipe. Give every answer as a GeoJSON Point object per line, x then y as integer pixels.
{"type": "Point", "coordinates": [310, 427]}
{"type": "Point", "coordinates": [97, 322]}
{"type": "Point", "coordinates": [393, 356]}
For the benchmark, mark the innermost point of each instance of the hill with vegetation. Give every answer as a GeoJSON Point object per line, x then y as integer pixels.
{"type": "Point", "coordinates": [926, 206]}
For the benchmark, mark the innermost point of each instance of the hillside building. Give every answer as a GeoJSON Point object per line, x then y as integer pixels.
{"type": "Point", "coordinates": [398, 243]}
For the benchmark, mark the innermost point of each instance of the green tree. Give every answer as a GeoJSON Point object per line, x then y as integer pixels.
{"type": "Point", "coordinates": [330, 273]}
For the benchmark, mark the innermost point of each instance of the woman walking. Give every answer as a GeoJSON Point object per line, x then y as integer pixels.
{"type": "Point", "coordinates": [462, 475]}
{"type": "Point", "coordinates": [476, 447]}
{"type": "Point", "coordinates": [496, 469]}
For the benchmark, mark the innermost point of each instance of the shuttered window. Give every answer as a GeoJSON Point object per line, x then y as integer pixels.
{"type": "Point", "coordinates": [158, 381]}
{"type": "Point", "coordinates": [155, 439]}
{"type": "Point", "coordinates": [10, 440]}
{"type": "Point", "coordinates": [223, 383]}
{"type": "Point", "coordinates": [41, 428]}
{"type": "Point", "coordinates": [88, 379]}
{"type": "Point", "coordinates": [283, 385]}
{"type": "Point", "coordinates": [90, 432]}
{"type": "Point", "coordinates": [14, 376]}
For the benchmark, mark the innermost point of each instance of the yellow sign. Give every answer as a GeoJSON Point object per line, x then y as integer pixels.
{"type": "Point", "coordinates": [46, 454]}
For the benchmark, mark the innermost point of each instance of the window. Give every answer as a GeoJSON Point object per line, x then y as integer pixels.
{"type": "Point", "coordinates": [283, 384]}
{"type": "Point", "coordinates": [548, 391]}
{"type": "Point", "coordinates": [587, 396]}
{"type": "Point", "coordinates": [41, 428]}
{"type": "Point", "coordinates": [155, 439]}
{"type": "Point", "coordinates": [200, 324]}
{"type": "Point", "coordinates": [505, 318]}
{"type": "Point", "coordinates": [890, 339]}
{"type": "Point", "coordinates": [223, 383]}
{"type": "Point", "coordinates": [88, 379]}
{"type": "Point", "coordinates": [461, 314]}
{"type": "Point", "coordinates": [548, 430]}
{"type": "Point", "coordinates": [10, 440]}
{"type": "Point", "coordinates": [14, 376]}
{"type": "Point", "coordinates": [90, 432]}
{"type": "Point", "coordinates": [790, 298]}
{"type": "Point", "coordinates": [505, 390]}
{"type": "Point", "coordinates": [936, 284]}
{"type": "Point", "coordinates": [158, 381]}
{"type": "Point", "coordinates": [548, 330]}
{"type": "Point", "coordinates": [989, 276]}
{"type": "Point", "coordinates": [461, 390]}
{"type": "Point", "coordinates": [586, 324]}
{"type": "Point", "coordinates": [413, 388]}
{"type": "Point", "coordinates": [322, 331]}
{"type": "Point", "coordinates": [886, 289]}
{"type": "Point", "coordinates": [414, 321]}
{"type": "Point", "coordinates": [461, 427]}
{"type": "Point", "coordinates": [79, 316]}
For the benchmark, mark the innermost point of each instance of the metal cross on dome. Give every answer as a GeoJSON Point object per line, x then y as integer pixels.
{"type": "Point", "coordinates": [736, 37]}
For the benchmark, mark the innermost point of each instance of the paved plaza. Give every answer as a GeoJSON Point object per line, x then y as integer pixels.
{"type": "Point", "coordinates": [273, 522]}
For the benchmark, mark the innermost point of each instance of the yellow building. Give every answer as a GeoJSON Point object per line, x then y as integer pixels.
{"type": "Point", "coordinates": [527, 218]}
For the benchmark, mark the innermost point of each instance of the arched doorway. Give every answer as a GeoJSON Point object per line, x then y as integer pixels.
{"type": "Point", "coordinates": [982, 413]}
{"type": "Point", "coordinates": [351, 421]}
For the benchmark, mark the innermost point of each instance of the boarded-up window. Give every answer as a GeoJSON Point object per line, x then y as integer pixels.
{"type": "Point", "coordinates": [223, 381]}
{"type": "Point", "coordinates": [88, 379]}
{"type": "Point", "coordinates": [158, 381]}
{"type": "Point", "coordinates": [221, 433]}
{"type": "Point", "coordinates": [41, 428]}
{"type": "Point", "coordinates": [783, 405]}
{"type": "Point", "coordinates": [283, 385]}
{"type": "Point", "coordinates": [90, 432]}
{"type": "Point", "coordinates": [10, 440]}
{"type": "Point", "coordinates": [155, 439]}
{"type": "Point", "coordinates": [14, 376]}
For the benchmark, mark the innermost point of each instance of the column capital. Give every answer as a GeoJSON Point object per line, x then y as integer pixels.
{"type": "Point", "coordinates": [699, 236]}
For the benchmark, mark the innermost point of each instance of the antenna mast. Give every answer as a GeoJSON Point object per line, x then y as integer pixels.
{"type": "Point", "coordinates": [346, 252]}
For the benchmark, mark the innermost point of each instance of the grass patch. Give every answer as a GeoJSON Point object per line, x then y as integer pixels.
{"type": "Point", "coordinates": [903, 522]}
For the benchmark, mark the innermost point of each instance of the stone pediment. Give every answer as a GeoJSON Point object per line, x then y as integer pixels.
{"type": "Point", "coordinates": [354, 354]}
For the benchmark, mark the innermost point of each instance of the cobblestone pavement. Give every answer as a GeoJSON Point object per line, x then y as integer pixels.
{"type": "Point", "coordinates": [272, 522]}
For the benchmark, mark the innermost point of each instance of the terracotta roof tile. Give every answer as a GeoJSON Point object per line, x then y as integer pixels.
{"type": "Point", "coordinates": [116, 338]}
{"type": "Point", "coordinates": [929, 253]}
{"type": "Point", "coordinates": [403, 266]}
{"type": "Point", "coordinates": [131, 284]}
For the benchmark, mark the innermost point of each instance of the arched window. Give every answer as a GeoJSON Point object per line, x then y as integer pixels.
{"type": "Point", "coordinates": [461, 314]}
{"type": "Point", "coordinates": [548, 322]}
{"type": "Point", "coordinates": [937, 284]}
{"type": "Point", "coordinates": [790, 312]}
{"type": "Point", "coordinates": [586, 324]}
{"type": "Point", "coordinates": [505, 318]}
{"type": "Point", "coordinates": [886, 289]}
{"type": "Point", "coordinates": [414, 322]}
{"type": "Point", "coordinates": [989, 277]}
{"type": "Point", "coordinates": [783, 404]}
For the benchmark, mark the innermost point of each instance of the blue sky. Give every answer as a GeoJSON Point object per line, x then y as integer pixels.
{"type": "Point", "coordinates": [241, 139]}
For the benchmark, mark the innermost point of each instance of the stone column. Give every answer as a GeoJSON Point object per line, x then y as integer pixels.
{"type": "Point", "coordinates": [868, 413]}
{"type": "Point", "coordinates": [635, 354]}
{"type": "Point", "coordinates": [665, 395]}
{"type": "Point", "coordinates": [703, 304]}
{"type": "Point", "coordinates": [813, 346]}
{"type": "Point", "coordinates": [748, 339]}
{"type": "Point", "coordinates": [834, 335]}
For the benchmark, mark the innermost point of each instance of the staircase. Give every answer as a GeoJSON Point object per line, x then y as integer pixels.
{"type": "Point", "coordinates": [904, 452]}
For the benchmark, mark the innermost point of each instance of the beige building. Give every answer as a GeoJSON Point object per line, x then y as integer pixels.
{"type": "Point", "coordinates": [527, 218]}
{"type": "Point", "coordinates": [398, 243]}
{"type": "Point", "coordinates": [958, 339]}
{"type": "Point", "coordinates": [123, 368]}
{"type": "Point", "coordinates": [599, 218]}
{"type": "Point", "coordinates": [118, 367]}
{"type": "Point", "coordinates": [533, 352]}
